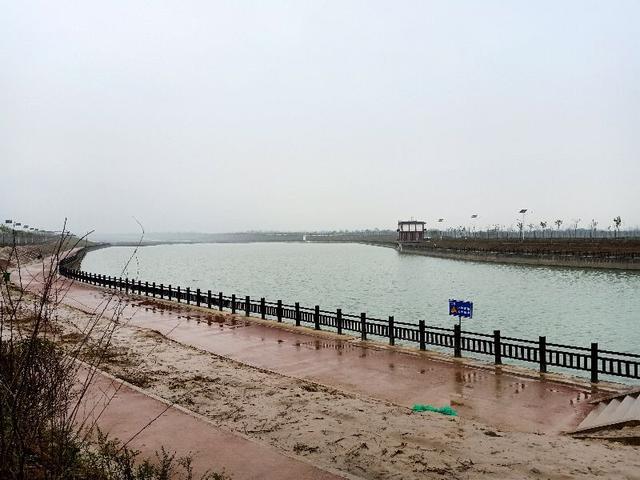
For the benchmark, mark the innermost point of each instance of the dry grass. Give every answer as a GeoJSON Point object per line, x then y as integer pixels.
{"type": "Point", "coordinates": [41, 436]}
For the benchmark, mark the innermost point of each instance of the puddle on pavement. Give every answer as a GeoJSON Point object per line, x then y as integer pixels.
{"type": "Point", "coordinates": [580, 398]}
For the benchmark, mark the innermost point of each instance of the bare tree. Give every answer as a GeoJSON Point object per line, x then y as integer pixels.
{"type": "Point", "coordinates": [558, 223]}
{"type": "Point", "coordinates": [617, 221]}
{"type": "Point", "coordinates": [543, 226]}
{"type": "Point", "coordinates": [575, 223]}
{"type": "Point", "coordinates": [594, 225]}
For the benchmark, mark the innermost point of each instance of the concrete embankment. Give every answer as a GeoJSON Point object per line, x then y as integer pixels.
{"type": "Point", "coordinates": [621, 255]}
{"type": "Point", "coordinates": [75, 260]}
{"type": "Point", "coordinates": [529, 259]}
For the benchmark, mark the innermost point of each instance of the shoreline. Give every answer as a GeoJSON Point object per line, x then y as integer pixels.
{"type": "Point", "coordinates": [520, 259]}
{"type": "Point", "coordinates": [508, 259]}
{"type": "Point", "coordinates": [533, 261]}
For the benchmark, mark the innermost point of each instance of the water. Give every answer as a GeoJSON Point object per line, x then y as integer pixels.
{"type": "Point", "coordinates": [574, 306]}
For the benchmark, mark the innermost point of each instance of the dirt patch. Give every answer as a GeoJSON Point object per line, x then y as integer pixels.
{"type": "Point", "coordinates": [152, 334]}
{"type": "Point", "coordinates": [72, 337]}
{"type": "Point", "coordinates": [139, 379]}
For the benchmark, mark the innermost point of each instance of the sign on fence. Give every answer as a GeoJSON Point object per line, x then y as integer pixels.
{"type": "Point", "coordinates": [460, 309]}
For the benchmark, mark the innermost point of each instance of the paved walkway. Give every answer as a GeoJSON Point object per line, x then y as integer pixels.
{"type": "Point", "coordinates": [488, 395]}
{"type": "Point", "coordinates": [129, 411]}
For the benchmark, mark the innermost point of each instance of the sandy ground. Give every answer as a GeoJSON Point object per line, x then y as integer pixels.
{"type": "Point", "coordinates": [355, 434]}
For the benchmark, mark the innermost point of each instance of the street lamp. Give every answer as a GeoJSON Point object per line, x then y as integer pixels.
{"type": "Point", "coordinates": [9, 222]}
{"type": "Point", "coordinates": [473, 217]}
{"type": "Point", "coordinates": [440, 220]}
{"type": "Point", "coordinates": [523, 212]}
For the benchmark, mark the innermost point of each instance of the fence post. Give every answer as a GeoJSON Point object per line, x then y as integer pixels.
{"type": "Point", "coordinates": [146, 289]}
{"type": "Point", "coordinates": [339, 320]}
{"type": "Point", "coordinates": [120, 283]}
{"type": "Point", "coordinates": [392, 332]}
{"type": "Point", "coordinates": [126, 286]}
{"type": "Point", "coordinates": [233, 303]}
{"type": "Point", "coordinates": [208, 298]}
{"type": "Point", "coordinates": [363, 326]}
{"type": "Point", "coordinates": [263, 309]}
{"type": "Point", "coordinates": [542, 351]}
{"type": "Point", "coordinates": [178, 293]}
{"type": "Point", "coordinates": [188, 295]}
{"type": "Point", "coordinates": [161, 290]}
{"type": "Point", "coordinates": [316, 318]}
{"type": "Point", "coordinates": [421, 333]}
{"type": "Point", "coordinates": [457, 341]}
{"type": "Point", "coordinates": [297, 314]}
{"type": "Point", "coordinates": [497, 347]}
{"type": "Point", "coordinates": [220, 301]}
{"type": "Point", "coordinates": [247, 305]}
{"type": "Point", "coordinates": [169, 293]}
{"type": "Point", "coordinates": [153, 291]}
{"type": "Point", "coordinates": [279, 311]}
{"type": "Point", "coordinates": [197, 297]}
{"type": "Point", "coordinates": [594, 363]}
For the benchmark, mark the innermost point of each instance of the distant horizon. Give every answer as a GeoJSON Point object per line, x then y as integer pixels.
{"type": "Point", "coordinates": [551, 228]}
{"type": "Point", "coordinates": [430, 226]}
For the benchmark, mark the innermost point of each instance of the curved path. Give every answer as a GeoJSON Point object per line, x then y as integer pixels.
{"type": "Point", "coordinates": [126, 412]}
{"type": "Point", "coordinates": [507, 398]}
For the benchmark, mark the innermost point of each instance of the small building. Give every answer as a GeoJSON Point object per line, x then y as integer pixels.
{"type": "Point", "coordinates": [410, 231]}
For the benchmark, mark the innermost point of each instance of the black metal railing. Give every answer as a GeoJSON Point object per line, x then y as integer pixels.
{"type": "Point", "coordinates": [590, 359]}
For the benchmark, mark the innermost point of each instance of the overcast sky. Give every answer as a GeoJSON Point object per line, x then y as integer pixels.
{"type": "Point", "coordinates": [226, 116]}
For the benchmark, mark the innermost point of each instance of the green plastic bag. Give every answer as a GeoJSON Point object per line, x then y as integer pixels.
{"type": "Point", "coordinates": [430, 408]}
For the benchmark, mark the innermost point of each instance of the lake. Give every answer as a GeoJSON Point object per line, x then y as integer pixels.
{"type": "Point", "coordinates": [567, 305]}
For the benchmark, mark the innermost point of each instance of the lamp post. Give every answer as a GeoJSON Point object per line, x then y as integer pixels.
{"type": "Point", "coordinates": [473, 217]}
{"type": "Point", "coordinates": [440, 220]}
{"type": "Point", "coordinates": [523, 212]}
{"type": "Point", "coordinates": [18, 238]}
{"type": "Point", "coordinates": [10, 222]}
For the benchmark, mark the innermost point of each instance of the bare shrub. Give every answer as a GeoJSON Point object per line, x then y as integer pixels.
{"type": "Point", "coordinates": [41, 390]}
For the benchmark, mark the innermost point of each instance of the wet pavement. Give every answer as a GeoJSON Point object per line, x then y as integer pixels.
{"type": "Point", "coordinates": [150, 423]}
{"type": "Point", "coordinates": [489, 395]}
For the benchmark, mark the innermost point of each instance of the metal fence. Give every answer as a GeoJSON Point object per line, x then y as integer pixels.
{"type": "Point", "coordinates": [545, 354]}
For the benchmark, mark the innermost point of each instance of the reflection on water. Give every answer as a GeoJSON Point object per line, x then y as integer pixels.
{"type": "Point", "coordinates": [574, 306]}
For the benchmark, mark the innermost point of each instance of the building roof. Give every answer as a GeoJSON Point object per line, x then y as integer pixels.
{"type": "Point", "coordinates": [411, 222]}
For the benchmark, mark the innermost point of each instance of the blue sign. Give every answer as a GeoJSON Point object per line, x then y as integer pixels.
{"type": "Point", "coordinates": [460, 308]}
